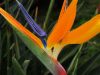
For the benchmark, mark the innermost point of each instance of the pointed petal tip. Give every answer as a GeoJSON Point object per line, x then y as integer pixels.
{"type": "Point", "coordinates": [84, 32]}
{"type": "Point", "coordinates": [18, 2]}
{"type": "Point", "coordinates": [14, 23]}
{"type": "Point", "coordinates": [35, 27]}
{"type": "Point", "coordinates": [64, 23]}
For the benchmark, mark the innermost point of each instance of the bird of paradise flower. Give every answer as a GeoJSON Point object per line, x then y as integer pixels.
{"type": "Point", "coordinates": [60, 36]}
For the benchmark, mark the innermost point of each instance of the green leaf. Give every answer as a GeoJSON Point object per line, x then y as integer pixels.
{"type": "Point", "coordinates": [73, 66]}
{"type": "Point", "coordinates": [48, 13]}
{"type": "Point", "coordinates": [25, 65]}
{"type": "Point", "coordinates": [17, 67]}
{"type": "Point", "coordinates": [90, 64]}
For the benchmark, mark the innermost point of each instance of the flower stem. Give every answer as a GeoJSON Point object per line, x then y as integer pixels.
{"type": "Point", "coordinates": [74, 61]}
{"type": "Point", "coordinates": [48, 14]}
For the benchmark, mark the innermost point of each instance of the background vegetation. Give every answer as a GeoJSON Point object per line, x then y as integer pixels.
{"type": "Point", "coordinates": [16, 59]}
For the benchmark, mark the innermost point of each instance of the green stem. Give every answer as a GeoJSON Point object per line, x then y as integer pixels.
{"type": "Point", "coordinates": [36, 12]}
{"type": "Point", "coordinates": [68, 55]}
{"type": "Point", "coordinates": [74, 61]}
{"type": "Point", "coordinates": [48, 13]}
{"type": "Point", "coordinates": [75, 68]}
{"type": "Point", "coordinates": [16, 47]}
{"type": "Point", "coordinates": [92, 64]}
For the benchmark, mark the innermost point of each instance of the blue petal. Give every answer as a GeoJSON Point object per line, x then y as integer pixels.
{"type": "Point", "coordinates": [35, 27]}
{"type": "Point", "coordinates": [39, 32]}
{"type": "Point", "coordinates": [44, 42]}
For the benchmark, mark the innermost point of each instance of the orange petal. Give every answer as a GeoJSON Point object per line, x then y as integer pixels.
{"type": "Point", "coordinates": [83, 33]}
{"type": "Point", "coordinates": [20, 27]}
{"type": "Point", "coordinates": [63, 9]}
{"type": "Point", "coordinates": [63, 25]}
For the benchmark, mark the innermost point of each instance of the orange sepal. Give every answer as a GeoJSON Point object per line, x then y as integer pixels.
{"type": "Point", "coordinates": [20, 27]}
{"type": "Point", "coordinates": [83, 33]}
{"type": "Point", "coordinates": [63, 25]}
{"type": "Point", "coordinates": [63, 9]}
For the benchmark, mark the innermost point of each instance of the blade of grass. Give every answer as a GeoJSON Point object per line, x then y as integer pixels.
{"type": "Point", "coordinates": [68, 55]}
{"type": "Point", "coordinates": [29, 5]}
{"type": "Point", "coordinates": [36, 13]}
{"type": "Point", "coordinates": [8, 44]}
{"type": "Point", "coordinates": [17, 51]}
{"type": "Point", "coordinates": [14, 7]}
{"type": "Point", "coordinates": [80, 6]}
{"type": "Point", "coordinates": [3, 63]}
{"type": "Point", "coordinates": [17, 67]}
{"type": "Point", "coordinates": [6, 4]}
{"type": "Point", "coordinates": [75, 68]}
{"type": "Point", "coordinates": [48, 14]}
{"type": "Point", "coordinates": [74, 61]}
{"type": "Point", "coordinates": [25, 65]}
{"type": "Point", "coordinates": [91, 62]}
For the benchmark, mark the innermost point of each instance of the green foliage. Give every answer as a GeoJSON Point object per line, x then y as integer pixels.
{"type": "Point", "coordinates": [17, 59]}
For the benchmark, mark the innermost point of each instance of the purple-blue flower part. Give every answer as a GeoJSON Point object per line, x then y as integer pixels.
{"type": "Point", "coordinates": [35, 27]}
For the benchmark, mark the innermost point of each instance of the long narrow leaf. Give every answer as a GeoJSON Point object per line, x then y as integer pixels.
{"type": "Point", "coordinates": [17, 67]}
